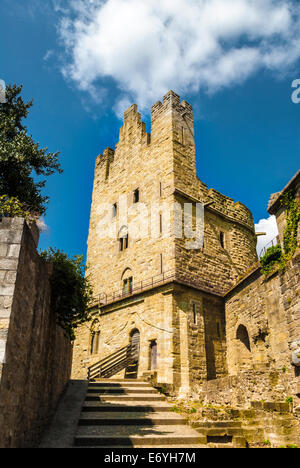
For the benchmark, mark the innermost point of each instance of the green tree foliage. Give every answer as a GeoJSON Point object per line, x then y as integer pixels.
{"type": "Point", "coordinates": [11, 207]}
{"type": "Point", "coordinates": [292, 220]}
{"type": "Point", "coordinates": [21, 159]}
{"type": "Point", "coordinates": [71, 290]}
{"type": "Point", "coordinates": [275, 256]}
{"type": "Point", "coordinates": [272, 257]}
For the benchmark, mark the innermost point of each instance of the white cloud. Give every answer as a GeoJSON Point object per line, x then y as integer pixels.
{"type": "Point", "coordinates": [41, 224]}
{"type": "Point", "coordinates": [149, 47]}
{"type": "Point", "coordinates": [269, 226]}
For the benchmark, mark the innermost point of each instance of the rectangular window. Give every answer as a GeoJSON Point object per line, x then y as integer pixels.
{"type": "Point", "coordinates": [222, 239]}
{"type": "Point", "coordinates": [160, 189]}
{"type": "Point", "coordinates": [114, 210]}
{"type": "Point", "coordinates": [194, 314]}
{"type": "Point", "coordinates": [136, 196]}
{"type": "Point", "coordinates": [161, 264]}
{"type": "Point", "coordinates": [124, 243]}
{"type": "Point", "coordinates": [127, 285]}
{"type": "Point", "coordinates": [160, 224]}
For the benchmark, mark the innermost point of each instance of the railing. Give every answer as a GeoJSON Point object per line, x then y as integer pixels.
{"type": "Point", "coordinates": [143, 285]}
{"type": "Point", "coordinates": [114, 363]}
{"type": "Point", "coordinates": [272, 243]}
{"type": "Point", "coordinates": [187, 279]}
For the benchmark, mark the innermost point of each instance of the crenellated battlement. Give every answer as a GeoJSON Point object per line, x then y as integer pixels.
{"type": "Point", "coordinates": [171, 101]}
{"type": "Point", "coordinates": [233, 209]}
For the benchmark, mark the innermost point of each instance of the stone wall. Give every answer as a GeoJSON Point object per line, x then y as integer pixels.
{"type": "Point", "coordinates": [37, 362]}
{"type": "Point", "coordinates": [262, 323]}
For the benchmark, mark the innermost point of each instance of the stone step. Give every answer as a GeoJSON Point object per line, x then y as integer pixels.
{"type": "Point", "coordinates": [139, 406]}
{"type": "Point", "coordinates": [217, 424]}
{"type": "Point", "coordinates": [124, 390]}
{"type": "Point", "coordinates": [120, 385]}
{"type": "Point", "coordinates": [126, 419]}
{"type": "Point", "coordinates": [219, 445]}
{"type": "Point", "coordinates": [120, 381]}
{"type": "Point", "coordinates": [220, 432]}
{"type": "Point", "coordinates": [130, 436]}
{"type": "Point", "coordinates": [120, 398]}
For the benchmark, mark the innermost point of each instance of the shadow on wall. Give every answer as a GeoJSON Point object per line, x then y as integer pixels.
{"type": "Point", "coordinates": [38, 353]}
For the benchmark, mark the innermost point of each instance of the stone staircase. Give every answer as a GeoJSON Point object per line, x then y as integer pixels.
{"type": "Point", "coordinates": [131, 413]}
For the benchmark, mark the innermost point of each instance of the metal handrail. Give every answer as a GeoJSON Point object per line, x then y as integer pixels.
{"type": "Point", "coordinates": [140, 286]}
{"type": "Point", "coordinates": [113, 363]}
{"type": "Point", "coordinates": [272, 243]}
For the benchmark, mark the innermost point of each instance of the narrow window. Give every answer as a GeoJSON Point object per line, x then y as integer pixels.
{"type": "Point", "coordinates": [93, 339]}
{"type": "Point", "coordinates": [97, 343]}
{"type": "Point", "coordinates": [127, 285]}
{"type": "Point", "coordinates": [160, 189]}
{"type": "Point", "coordinates": [194, 314]}
{"type": "Point", "coordinates": [160, 224]}
{"type": "Point", "coordinates": [222, 239]}
{"type": "Point", "coordinates": [136, 196]}
{"type": "Point", "coordinates": [124, 243]}
{"type": "Point", "coordinates": [218, 330]}
{"type": "Point", "coordinates": [114, 210]}
{"type": "Point", "coordinates": [153, 355]}
{"type": "Point", "coordinates": [161, 264]}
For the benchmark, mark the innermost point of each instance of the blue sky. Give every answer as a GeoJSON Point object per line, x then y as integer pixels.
{"type": "Point", "coordinates": [237, 74]}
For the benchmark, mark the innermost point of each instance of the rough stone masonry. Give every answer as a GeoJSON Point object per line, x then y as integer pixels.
{"type": "Point", "coordinates": [35, 354]}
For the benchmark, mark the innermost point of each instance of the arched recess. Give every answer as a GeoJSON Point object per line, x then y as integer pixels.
{"type": "Point", "coordinates": [94, 338]}
{"type": "Point", "coordinates": [243, 348]}
{"type": "Point", "coordinates": [243, 336]}
{"type": "Point", "coordinates": [127, 281]}
{"type": "Point", "coordinates": [123, 238]}
{"type": "Point", "coordinates": [134, 340]}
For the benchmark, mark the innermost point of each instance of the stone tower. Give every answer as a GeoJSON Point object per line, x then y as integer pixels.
{"type": "Point", "coordinates": [150, 282]}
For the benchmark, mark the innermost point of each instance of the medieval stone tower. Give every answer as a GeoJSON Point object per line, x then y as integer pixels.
{"type": "Point", "coordinates": [150, 286]}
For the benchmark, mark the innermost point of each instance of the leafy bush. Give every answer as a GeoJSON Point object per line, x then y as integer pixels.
{"type": "Point", "coordinates": [272, 257]}
{"type": "Point", "coordinates": [292, 219]}
{"type": "Point", "coordinates": [71, 290]}
{"type": "Point", "coordinates": [11, 207]}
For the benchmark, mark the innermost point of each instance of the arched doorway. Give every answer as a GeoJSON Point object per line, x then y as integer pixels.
{"type": "Point", "coordinates": [134, 340]}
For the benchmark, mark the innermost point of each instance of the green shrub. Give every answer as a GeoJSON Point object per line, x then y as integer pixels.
{"type": "Point", "coordinates": [272, 257]}
{"type": "Point", "coordinates": [267, 443]}
{"type": "Point", "coordinates": [11, 207]}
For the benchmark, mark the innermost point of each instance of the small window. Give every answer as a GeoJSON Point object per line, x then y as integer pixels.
{"type": "Point", "coordinates": [95, 343]}
{"type": "Point", "coordinates": [194, 314]}
{"type": "Point", "coordinates": [136, 196]}
{"type": "Point", "coordinates": [123, 243]}
{"type": "Point", "coordinates": [114, 210]}
{"type": "Point", "coordinates": [161, 264]}
{"type": "Point", "coordinates": [222, 239]}
{"type": "Point", "coordinates": [127, 285]}
{"type": "Point", "coordinates": [160, 189]}
{"type": "Point", "coordinates": [160, 224]}
{"type": "Point", "coordinates": [93, 340]}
